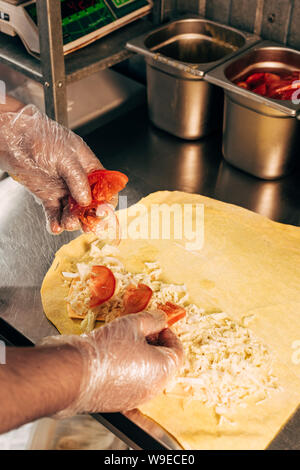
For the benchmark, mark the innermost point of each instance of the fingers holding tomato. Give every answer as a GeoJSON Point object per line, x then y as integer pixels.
{"type": "Point", "coordinates": [98, 217]}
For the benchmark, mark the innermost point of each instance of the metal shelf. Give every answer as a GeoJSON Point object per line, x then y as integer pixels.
{"type": "Point", "coordinates": [14, 54]}
{"type": "Point", "coordinates": [105, 52]}
{"type": "Point", "coordinates": [54, 70]}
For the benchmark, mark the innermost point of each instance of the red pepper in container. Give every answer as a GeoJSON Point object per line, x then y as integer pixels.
{"type": "Point", "coordinates": [255, 79]}
{"type": "Point", "coordinates": [99, 217]}
{"type": "Point", "coordinates": [278, 86]}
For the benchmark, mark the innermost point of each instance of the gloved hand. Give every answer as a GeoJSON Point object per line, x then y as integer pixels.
{"type": "Point", "coordinates": [121, 369]}
{"type": "Point", "coordinates": [50, 160]}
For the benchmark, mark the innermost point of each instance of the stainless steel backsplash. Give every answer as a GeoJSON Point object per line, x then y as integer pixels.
{"type": "Point", "coordinates": [276, 20]}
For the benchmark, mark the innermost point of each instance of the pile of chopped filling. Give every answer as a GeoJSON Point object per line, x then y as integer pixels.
{"type": "Point", "coordinates": [225, 363]}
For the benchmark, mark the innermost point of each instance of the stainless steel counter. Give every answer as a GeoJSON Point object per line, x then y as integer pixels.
{"type": "Point", "coordinates": [153, 160]}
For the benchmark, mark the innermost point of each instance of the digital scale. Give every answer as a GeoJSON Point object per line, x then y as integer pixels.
{"type": "Point", "coordinates": [83, 21]}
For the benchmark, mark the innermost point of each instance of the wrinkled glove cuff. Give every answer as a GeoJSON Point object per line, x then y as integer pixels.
{"type": "Point", "coordinates": [85, 345]}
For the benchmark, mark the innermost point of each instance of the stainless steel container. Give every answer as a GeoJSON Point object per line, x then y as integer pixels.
{"type": "Point", "coordinates": [260, 135]}
{"type": "Point", "coordinates": [178, 55]}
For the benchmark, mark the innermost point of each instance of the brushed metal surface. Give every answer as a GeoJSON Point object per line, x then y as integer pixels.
{"type": "Point", "coordinates": [276, 20]}
{"type": "Point", "coordinates": [194, 41]}
{"type": "Point", "coordinates": [178, 55]}
{"type": "Point", "coordinates": [26, 252]}
{"type": "Point", "coordinates": [153, 160]}
{"type": "Point", "coordinates": [262, 143]}
{"type": "Point", "coordinates": [187, 108]}
{"type": "Point", "coordinates": [181, 43]}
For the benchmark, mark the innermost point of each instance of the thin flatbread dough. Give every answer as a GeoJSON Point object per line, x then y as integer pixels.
{"type": "Point", "coordinates": [248, 267]}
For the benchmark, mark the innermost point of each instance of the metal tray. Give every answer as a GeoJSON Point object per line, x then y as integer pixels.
{"type": "Point", "coordinates": [178, 55]}
{"type": "Point", "coordinates": [266, 55]}
{"type": "Point", "coordinates": [179, 43]}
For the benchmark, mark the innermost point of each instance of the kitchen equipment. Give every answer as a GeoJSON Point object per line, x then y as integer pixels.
{"type": "Point", "coordinates": [82, 22]}
{"type": "Point", "coordinates": [178, 55]}
{"type": "Point", "coordinates": [76, 433]}
{"type": "Point", "coordinates": [118, 93]}
{"type": "Point", "coordinates": [260, 135]}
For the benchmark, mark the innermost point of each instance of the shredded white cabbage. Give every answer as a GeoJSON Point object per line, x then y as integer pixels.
{"type": "Point", "coordinates": [83, 270]}
{"type": "Point", "coordinates": [69, 275]}
{"type": "Point", "coordinates": [79, 296]}
{"type": "Point", "coordinates": [224, 362]}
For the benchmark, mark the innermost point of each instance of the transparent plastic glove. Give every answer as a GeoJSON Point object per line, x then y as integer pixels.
{"type": "Point", "coordinates": [121, 369]}
{"type": "Point", "coordinates": [50, 160]}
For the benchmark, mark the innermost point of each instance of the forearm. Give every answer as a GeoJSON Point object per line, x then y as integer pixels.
{"type": "Point", "coordinates": [37, 382]}
{"type": "Point", "coordinates": [11, 105]}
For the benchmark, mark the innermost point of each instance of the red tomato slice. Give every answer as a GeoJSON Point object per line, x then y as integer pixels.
{"type": "Point", "coordinates": [136, 299]}
{"type": "Point", "coordinates": [84, 213]}
{"type": "Point", "coordinates": [102, 285]}
{"type": "Point", "coordinates": [261, 89]}
{"type": "Point", "coordinates": [271, 78]}
{"type": "Point", "coordinates": [174, 312]}
{"type": "Point", "coordinates": [105, 184]}
{"type": "Point", "coordinates": [255, 79]}
{"type": "Point", "coordinates": [102, 221]}
{"type": "Point", "coordinates": [278, 86]}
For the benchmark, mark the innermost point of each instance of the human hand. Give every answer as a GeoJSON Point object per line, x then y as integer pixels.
{"type": "Point", "coordinates": [121, 370]}
{"type": "Point", "coordinates": [50, 160]}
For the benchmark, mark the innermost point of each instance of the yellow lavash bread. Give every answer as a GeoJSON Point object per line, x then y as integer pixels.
{"type": "Point", "coordinates": [248, 266]}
